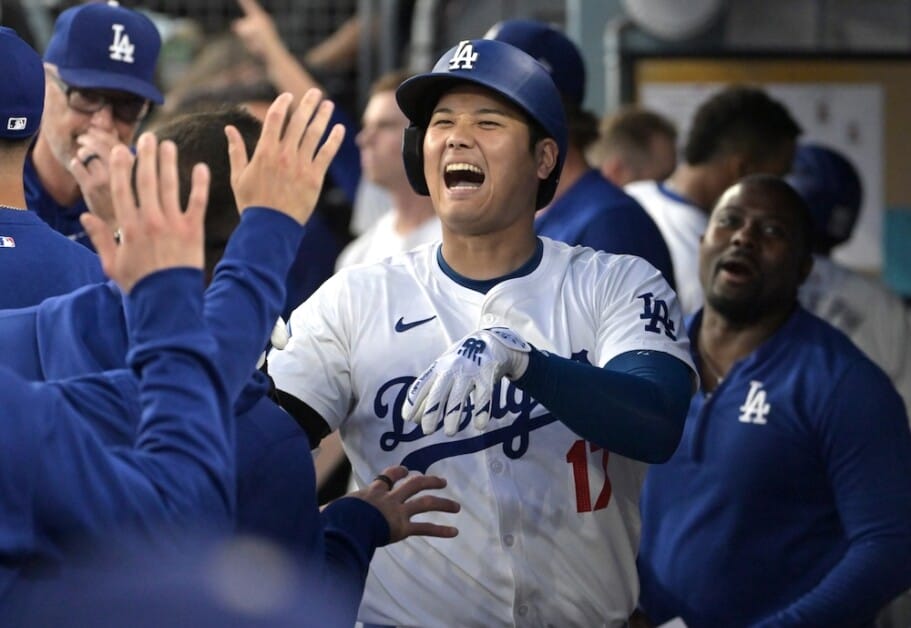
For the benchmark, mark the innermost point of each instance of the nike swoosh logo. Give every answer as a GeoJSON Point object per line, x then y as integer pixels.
{"type": "Point", "coordinates": [401, 325]}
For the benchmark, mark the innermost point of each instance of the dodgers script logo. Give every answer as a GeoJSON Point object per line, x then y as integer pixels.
{"type": "Point", "coordinates": [508, 403]}
{"type": "Point", "coordinates": [121, 49]}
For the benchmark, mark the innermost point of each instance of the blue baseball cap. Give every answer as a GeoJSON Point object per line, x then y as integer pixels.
{"type": "Point", "coordinates": [106, 46]}
{"type": "Point", "coordinates": [831, 186]}
{"type": "Point", "coordinates": [22, 96]}
{"type": "Point", "coordinates": [551, 48]}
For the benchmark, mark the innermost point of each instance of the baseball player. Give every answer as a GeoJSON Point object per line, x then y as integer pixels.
{"type": "Point", "coordinates": [873, 317]}
{"type": "Point", "coordinates": [587, 209]}
{"type": "Point", "coordinates": [549, 487]}
{"type": "Point", "coordinates": [99, 68]}
{"type": "Point", "coordinates": [738, 131]}
{"type": "Point", "coordinates": [788, 501]}
{"type": "Point", "coordinates": [37, 261]}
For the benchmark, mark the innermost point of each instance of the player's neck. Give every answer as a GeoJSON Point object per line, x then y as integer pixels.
{"type": "Point", "coordinates": [490, 255]}
{"type": "Point", "coordinates": [726, 342]}
{"type": "Point", "coordinates": [55, 179]}
{"type": "Point", "coordinates": [697, 184]}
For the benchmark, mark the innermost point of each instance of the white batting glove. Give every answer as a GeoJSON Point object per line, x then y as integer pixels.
{"type": "Point", "coordinates": [469, 369]}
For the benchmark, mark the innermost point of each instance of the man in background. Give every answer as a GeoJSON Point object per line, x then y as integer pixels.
{"type": "Point", "coordinates": [634, 144]}
{"type": "Point", "coordinates": [99, 67]}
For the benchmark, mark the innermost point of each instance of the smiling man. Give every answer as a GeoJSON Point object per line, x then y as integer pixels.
{"type": "Point", "coordinates": [548, 454]}
{"type": "Point", "coordinates": [99, 69]}
{"type": "Point", "coordinates": [788, 501]}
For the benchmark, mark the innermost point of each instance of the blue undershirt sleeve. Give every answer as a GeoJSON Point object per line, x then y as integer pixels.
{"type": "Point", "coordinates": [635, 405]}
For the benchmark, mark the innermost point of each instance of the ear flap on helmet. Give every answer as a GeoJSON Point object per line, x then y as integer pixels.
{"type": "Point", "coordinates": [413, 155]}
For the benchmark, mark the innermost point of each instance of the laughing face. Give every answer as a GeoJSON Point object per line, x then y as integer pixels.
{"type": "Point", "coordinates": [480, 169]}
{"type": "Point", "coordinates": [754, 254]}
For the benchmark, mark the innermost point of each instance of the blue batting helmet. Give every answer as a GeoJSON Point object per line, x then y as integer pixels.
{"type": "Point", "coordinates": [831, 186]}
{"type": "Point", "coordinates": [499, 67]}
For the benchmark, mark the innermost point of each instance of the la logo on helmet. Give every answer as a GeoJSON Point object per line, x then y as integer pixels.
{"type": "Point", "coordinates": [464, 57]}
{"type": "Point", "coordinates": [121, 49]}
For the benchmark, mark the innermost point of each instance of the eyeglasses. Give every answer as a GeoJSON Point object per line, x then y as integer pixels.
{"type": "Point", "coordinates": [129, 109]}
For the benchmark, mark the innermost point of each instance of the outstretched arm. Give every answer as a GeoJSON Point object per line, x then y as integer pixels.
{"type": "Point", "coordinates": [180, 469]}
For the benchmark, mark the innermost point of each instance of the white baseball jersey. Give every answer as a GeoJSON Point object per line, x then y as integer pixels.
{"type": "Point", "coordinates": [871, 316]}
{"type": "Point", "coordinates": [681, 224]}
{"type": "Point", "coordinates": [549, 526]}
{"type": "Point", "coordinates": [382, 240]}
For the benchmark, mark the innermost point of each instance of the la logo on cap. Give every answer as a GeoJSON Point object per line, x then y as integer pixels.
{"type": "Point", "coordinates": [16, 124]}
{"type": "Point", "coordinates": [121, 49]}
{"type": "Point", "coordinates": [464, 57]}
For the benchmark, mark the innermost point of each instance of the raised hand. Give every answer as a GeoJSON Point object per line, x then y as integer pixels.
{"type": "Point", "coordinates": [289, 166]}
{"type": "Point", "coordinates": [393, 493]}
{"type": "Point", "coordinates": [468, 370]}
{"type": "Point", "coordinates": [91, 169]}
{"type": "Point", "coordinates": [256, 30]}
{"type": "Point", "coordinates": [155, 234]}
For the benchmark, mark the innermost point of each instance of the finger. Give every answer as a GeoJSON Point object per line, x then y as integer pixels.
{"type": "Point", "coordinates": [199, 194]}
{"type": "Point", "coordinates": [431, 529]}
{"type": "Point", "coordinates": [413, 407]}
{"type": "Point", "coordinates": [457, 396]}
{"type": "Point", "coordinates": [168, 182]}
{"type": "Point", "coordinates": [431, 503]}
{"type": "Point", "coordinates": [315, 131]}
{"type": "Point", "coordinates": [417, 483]}
{"type": "Point", "coordinates": [147, 176]}
{"type": "Point", "coordinates": [78, 170]}
{"type": "Point", "coordinates": [273, 123]}
{"type": "Point", "coordinates": [237, 154]}
{"type": "Point", "coordinates": [301, 121]}
{"type": "Point", "coordinates": [396, 473]}
{"type": "Point", "coordinates": [250, 7]}
{"type": "Point", "coordinates": [435, 404]}
{"type": "Point", "coordinates": [102, 238]}
{"type": "Point", "coordinates": [329, 149]}
{"type": "Point", "coordinates": [122, 187]}
{"type": "Point", "coordinates": [483, 398]}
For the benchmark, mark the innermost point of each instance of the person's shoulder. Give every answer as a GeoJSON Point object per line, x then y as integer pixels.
{"type": "Point", "coordinates": [597, 261]}
{"type": "Point", "coordinates": [825, 345]}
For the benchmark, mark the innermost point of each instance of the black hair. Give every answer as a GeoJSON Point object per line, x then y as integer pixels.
{"type": "Point", "coordinates": [739, 119]}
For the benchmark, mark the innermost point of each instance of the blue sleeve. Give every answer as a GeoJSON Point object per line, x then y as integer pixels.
{"type": "Point", "coordinates": [866, 448]}
{"type": "Point", "coordinates": [635, 406]}
{"type": "Point", "coordinates": [247, 292]}
{"type": "Point", "coordinates": [352, 530]}
{"type": "Point", "coordinates": [180, 470]}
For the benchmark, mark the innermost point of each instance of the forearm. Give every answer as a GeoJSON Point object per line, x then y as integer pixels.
{"type": "Point", "coordinates": [867, 577]}
{"type": "Point", "coordinates": [635, 406]}
{"type": "Point", "coordinates": [352, 529]}
{"type": "Point", "coordinates": [180, 471]}
{"type": "Point", "coordinates": [247, 292]}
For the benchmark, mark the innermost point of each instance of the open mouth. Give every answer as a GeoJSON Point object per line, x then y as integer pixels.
{"type": "Point", "coordinates": [463, 176]}
{"type": "Point", "coordinates": [738, 269]}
